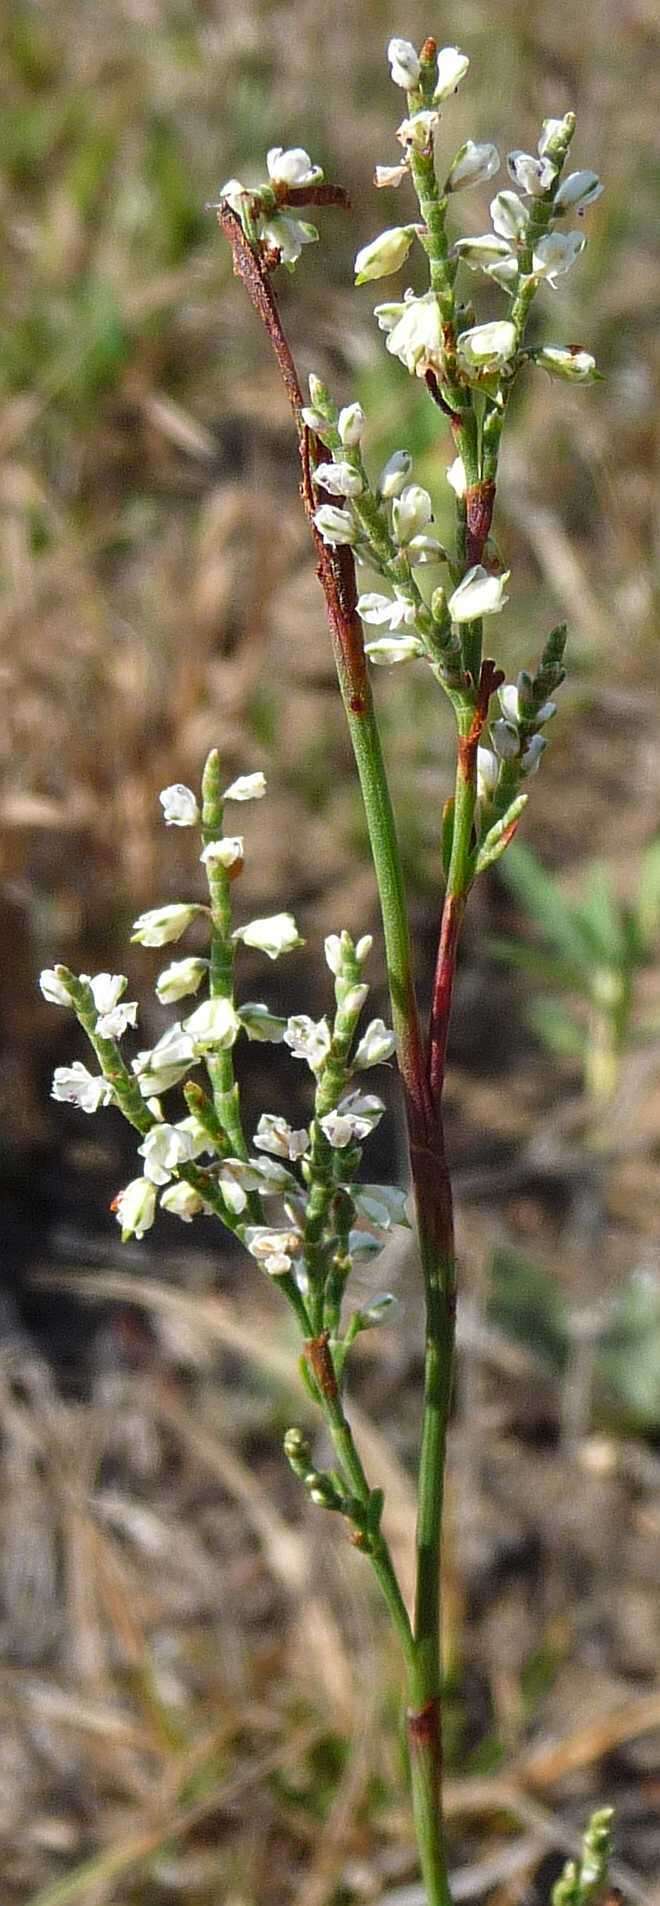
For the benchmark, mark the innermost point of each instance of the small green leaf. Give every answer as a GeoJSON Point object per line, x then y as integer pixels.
{"type": "Point", "coordinates": [500, 835]}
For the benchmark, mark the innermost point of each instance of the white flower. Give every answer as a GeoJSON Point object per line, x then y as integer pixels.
{"type": "Point", "coordinates": [531, 758]}
{"type": "Point", "coordinates": [556, 253]}
{"type": "Point", "coordinates": [505, 739]}
{"type": "Point", "coordinates": [167, 1062]}
{"type": "Point", "coordinates": [180, 979]}
{"type": "Point", "coordinates": [182, 1201]}
{"type": "Point", "coordinates": [456, 477]}
{"type": "Point", "coordinates": [179, 806]}
{"type": "Point", "coordinates": [293, 167]}
{"type": "Point", "coordinates": [274, 1135]}
{"type": "Point", "coordinates": [487, 346]}
{"type": "Point", "coordinates": [509, 216]}
{"type": "Point", "coordinates": [390, 175]}
{"type": "Point", "coordinates": [452, 68]}
{"type": "Point", "coordinates": [287, 236]}
{"type": "Point", "coordinates": [163, 924]}
{"type": "Point", "coordinates": [350, 425]}
{"type": "Point", "coordinates": [534, 176]}
{"type": "Point", "coordinates": [54, 988]}
{"type": "Point", "coordinates": [417, 336]}
{"type": "Point", "coordinates": [510, 704]}
{"type": "Point", "coordinates": [339, 479]}
{"type": "Point", "coordinates": [390, 651]}
{"type": "Point", "coordinates": [395, 473]}
{"type": "Point", "coordinates": [354, 999]}
{"type": "Point", "coordinates": [227, 852]}
{"type": "Point", "coordinates": [262, 1242]}
{"type": "Point", "coordinates": [236, 1179]}
{"type": "Point", "coordinates": [135, 1208]}
{"type": "Point", "coordinates": [74, 1085]}
{"type": "Point", "coordinates": [106, 989]}
{"type": "Point", "coordinates": [338, 1130]}
{"type": "Point", "coordinates": [335, 526]}
{"type": "Point", "coordinates": [383, 255]}
{"type": "Point", "coordinates": [354, 1118]}
{"type": "Point", "coordinates": [274, 935]}
{"type": "Point", "coordinates": [387, 315]}
{"type": "Point", "coordinates": [425, 549]}
{"type": "Point", "coordinates": [214, 1026]}
{"type": "Point", "coordinates": [380, 611]}
{"type": "Point", "coordinates": [113, 1025]}
{"type": "Point", "coordinates": [197, 1135]}
{"type": "Point", "coordinates": [411, 511]}
{"type": "Point", "coordinates": [473, 164]}
{"type": "Point", "coordinates": [568, 361]}
{"type": "Point", "coordinates": [488, 769]}
{"type": "Point", "coordinates": [377, 1044]}
{"type": "Point", "coordinates": [164, 1148]}
{"type": "Point", "coordinates": [261, 1024]}
{"type": "Point", "coordinates": [480, 253]}
{"type": "Point", "coordinates": [248, 787]}
{"type": "Point", "coordinates": [277, 1264]}
{"type": "Point", "coordinates": [577, 189]}
{"type": "Point", "coordinates": [478, 594]}
{"type": "Point", "coordinates": [334, 950]}
{"type": "Point", "coordinates": [417, 131]}
{"type": "Point", "coordinates": [383, 1205]}
{"type": "Point", "coordinates": [308, 1039]}
{"type": "Point", "coordinates": [404, 64]}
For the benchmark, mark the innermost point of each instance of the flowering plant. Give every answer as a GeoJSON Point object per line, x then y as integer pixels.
{"type": "Point", "coordinates": [430, 607]}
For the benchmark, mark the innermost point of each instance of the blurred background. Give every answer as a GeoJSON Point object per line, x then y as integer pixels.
{"type": "Point", "coordinates": [198, 1695]}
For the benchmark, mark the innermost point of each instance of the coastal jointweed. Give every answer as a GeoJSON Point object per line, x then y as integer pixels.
{"type": "Point", "coordinates": [395, 595]}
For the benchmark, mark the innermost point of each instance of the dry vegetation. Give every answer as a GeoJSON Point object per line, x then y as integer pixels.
{"type": "Point", "coordinates": [197, 1699]}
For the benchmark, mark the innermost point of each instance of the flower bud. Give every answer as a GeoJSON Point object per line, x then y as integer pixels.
{"type": "Point", "coordinates": [293, 167]}
{"type": "Point", "coordinates": [226, 852]}
{"type": "Point", "coordinates": [505, 740]}
{"type": "Point", "coordinates": [579, 189]}
{"type": "Point", "coordinates": [509, 700]}
{"type": "Point", "coordinates": [179, 806]}
{"type": "Point", "coordinates": [320, 397]}
{"type": "Point", "coordinates": [472, 165]}
{"type": "Point", "coordinates": [486, 347]}
{"type": "Point", "coordinates": [488, 769]}
{"type": "Point", "coordinates": [335, 526]}
{"type": "Point", "coordinates": [404, 64]}
{"type": "Point", "coordinates": [339, 479]}
{"type": "Point", "coordinates": [363, 948]}
{"type": "Point", "coordinates": [214, 1026]}
{"type": "Point", "coordinates": [272, 936]}
{"type": "Point", "coordinates": [534, 176]}
{"type": "Point", "coordinates": [384, 255]}
{"type": "Point", "coordinates": [509, 217]}
{"type": "Point", "coordinates": [456, 477]}
{"type": "Point", "coordinates": [377, 1045]}
{"type": "Point", "coordinates": [479, 253]}
{"type": "Point", "coordinates": [478, 594]}
{"type": "Point", "coordinates": [569, 362]}
{"type": "Point", "coordinates": [248, 787]}
{"type": "Point", "coordinates": [394, 474]}
{"type": "Point", "coordinates": [297, 1449]}
{"type": "Point", "coordinates": [411, 511]}
{"type": "Point", "coordinates": [160, 925]}
{"type": "Point", "coordinates": [452, 68]}
{"type": "Point", "coordinates": [350, 425]}
{"type": "Point", "coordinates": [556, 135]}
{"type": "Point", "coordinates": [135, 1208]}
{"type": "Point", "coordinates": [54, 988]}
{"type": "Point", "coordinates": [182, 1201]}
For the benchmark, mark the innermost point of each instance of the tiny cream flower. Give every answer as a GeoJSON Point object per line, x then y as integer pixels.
{"type": "Point", "coordinates": [113, 1018]}
{"type": "Point", "coordinates": [163, 1149]}
{"type": "Point", "coordinates": [167, 1062]}
{"type": "Point", "coordinates": [378, 610]}
{"type": "Point", "coordinates": [485, 347]}
{"type": "Point", "coordinates": [383, 1205]}
{"type": "Point", "coordinates": [135, 1208]}
{"type": "Point", "coordinates": [112, 1025]}
{"type": "Point", "coordinates": [277, 1264]}
{"type": "Point", "coordinates": [337, 1130]}
{"type": "Point", "coordinates": [275, 1135]}
{"type": "Point", "coordinates": [339, 479]}
{"type": "Point", "coordinates": [292, 167]}
{"type": "Point", "coordinates": [354, 1118]}
{"type": "Point", "coordinates": [578, 189]}
{"type": "Point", "coordinates": [287, 236]}
{"type": "Point", "coordinates": [510, 704]}
{"type": "Point", "coordinates": [227, 852]}
{"type": "Point", "coordinates": [262, 1242]}
{"type": "Point", "coordinates": [234, 193]}
{"type": "Point", "coordinates": [556, 253]}
{"type": "Point", "coordinates": [411, 511]}
{"type": "Point", "coordinates": [248, 787]}
{"type": "Point", "coordinates": [509, 216]}
{"type": "Point", "coordinates": [179, 980]}
{"type": "Point", "coordinates": [478, 594]}
{"type": "Point", "coordinates": [569, 362]}
{"type": "Point", "coordinates": [335, 526]}
{"type": "Point", "coordinates": [452, 68]}
{"type": "Point", "coordinates": [74, 1085]}
{"type": "Point", "coordinates": [425, 549]}
{"type": "Point", "coordinates": [377, 1045]}
{"type": "Point", "coordinates": [390, 175]}
{"type": "Point", "coordinates": [488, 769]}
{"type": "Point", "coordinates": [417, 131]}
{"type": "Point", "coordinates": [505, 739]}
{"type": "Point", "coordinates": [390, 651]}
{"type": "Point", "coordinates": [456, 477]}
{"type": "Point", "coordinates": [350, 425]}
{"type": "Point", "coordinates": [214, 1025]}
{"type": "Point", "coordinates": [161, 925]}
{"type": "Point", "coordinates": [417, 338]}
{"type": "Point", "coordinates": [404, 64]}
{"type": "Point", "coordinates": [179, 806]}
{"type": "Point", "coordinates": [197, 1135]}
{"type": "Point", "coordinates": [473, 164]}
{"type": "Point", "coordinates": [480, 253]}
{"type": "Point", "coordinates": [384, 255]}
{"type": "Point", "coordinates": [54, 988]}
{"type": "Point", "coordinates": [182, 1201]}
{"type": "Point", "coordinates": [236, 1180]}
{"type": "Point", "coordinates": [534, 176]}
{"type": "Point", "coordinates": [274, 935]}
{"type": "Point", "coordinates": [308, 1039]}
{"type": "Point", "coordinates": [261, 1024]}
{"type": "Point", "coordinates": [394, 474]}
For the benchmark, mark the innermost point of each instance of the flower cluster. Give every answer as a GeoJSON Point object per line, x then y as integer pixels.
{"type": "Point", "coordinates": [279, 235]}
{"type": "Point", "coordinates": [197, 1160]}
